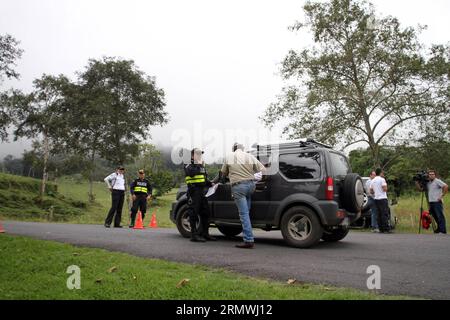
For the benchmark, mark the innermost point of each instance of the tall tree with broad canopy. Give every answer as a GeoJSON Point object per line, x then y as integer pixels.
{"type": "Point", "coordinates": [9, 54]}
{"type": "Point", "coordinates": [113, 107]}
{"type": "Point", "coordinates": [366, 79]}
{"type": "Point", "coordinates": [41, 115]}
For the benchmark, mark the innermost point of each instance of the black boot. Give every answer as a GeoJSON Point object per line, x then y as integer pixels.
{"type": "Point", "coordinates": [207, 237]}
{"type": "Point", "coordinates": [197, 238]}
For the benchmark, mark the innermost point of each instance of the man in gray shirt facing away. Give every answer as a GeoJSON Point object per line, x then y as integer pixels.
{"type": "Point", "coordinates": [436, 191]}
{"type": "Point", "coordinates": [241, 168]}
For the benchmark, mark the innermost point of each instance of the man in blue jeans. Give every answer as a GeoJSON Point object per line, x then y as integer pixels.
{"type": "Point", "coordinates": [241, 168]}
{"type": "Point", "coordinates": [436, 191]}
{"type": "Point", "coordinates": [371, 204]}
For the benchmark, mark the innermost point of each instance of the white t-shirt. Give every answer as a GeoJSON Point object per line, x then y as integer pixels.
{"type": "Point", "coordinates": [377, 186]}
{"type": "Point", "coordinates": [367, 187]}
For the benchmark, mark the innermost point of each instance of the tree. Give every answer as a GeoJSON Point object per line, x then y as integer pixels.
{"type": "Point", "coordinates": [114, 105]}
{"type": "Point", "coordinates": [9, 53]}
{"type": "Point", "coordinates": [42, 115]}
{"type": "Point", "coordinates": [152, 161]}
{"type": "Point", "coordinates": [366, 79]}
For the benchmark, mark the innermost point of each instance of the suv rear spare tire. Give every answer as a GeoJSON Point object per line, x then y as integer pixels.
{"type": "Point", "coordinates": [301, 227]}
{"type": "Point", "coordinates": [352, 195]}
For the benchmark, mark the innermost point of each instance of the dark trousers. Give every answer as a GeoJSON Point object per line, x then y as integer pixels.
{"type": "Point", "coordinates": [139, 204]}
{"type": "Point", "coordinates": [383, 214]}
{"type": "Point", "coordinates": [117, 197]}
{"type": "Point", "coordinates": [437, 211]}
{"type": "Point", "coordinates": [198, 208]}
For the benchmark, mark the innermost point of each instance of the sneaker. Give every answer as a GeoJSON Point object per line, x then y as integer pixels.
{"type": "Point", "coordinates": [107, 225]}
{"type": "Point", "coordinates": [376, 230]}
{"type": "Point", "coordinates": [131, 226]}
{"type": "Point", "coordinates": [118, 227]}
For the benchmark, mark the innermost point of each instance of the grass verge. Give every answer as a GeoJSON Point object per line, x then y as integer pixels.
{"type": "Point", "coordinates": [36, 269]}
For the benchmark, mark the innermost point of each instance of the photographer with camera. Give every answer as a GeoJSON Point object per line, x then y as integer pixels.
{"type": "Point", "coordinates": [436, 189]}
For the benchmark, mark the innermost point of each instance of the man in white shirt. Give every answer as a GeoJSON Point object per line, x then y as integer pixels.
{"type": "Point", "coordinates": [116, 184]}
{"type": "Point", "coordinates": [379, 188]}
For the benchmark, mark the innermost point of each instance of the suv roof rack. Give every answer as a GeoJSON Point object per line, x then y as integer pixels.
{"type": "Point", "coordinates": [301, 143]}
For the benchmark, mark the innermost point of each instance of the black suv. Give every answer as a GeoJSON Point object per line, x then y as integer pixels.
{"type": "Point", "coordinates": [308, 192]}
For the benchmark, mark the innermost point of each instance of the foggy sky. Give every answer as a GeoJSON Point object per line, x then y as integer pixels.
{"type": "Point", "coordinates": [217, 61]}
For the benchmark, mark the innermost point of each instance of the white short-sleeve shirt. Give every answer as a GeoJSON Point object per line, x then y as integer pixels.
{"type": "Point", "coordinates": [377, 186]}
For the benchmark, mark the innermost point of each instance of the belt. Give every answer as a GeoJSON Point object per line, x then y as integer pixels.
{"type": "Point", "coordinates": [243, 181]}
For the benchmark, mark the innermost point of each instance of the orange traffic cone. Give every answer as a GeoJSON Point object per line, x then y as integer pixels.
{"type": "Point", "coordinates": [1, 229]}
{"type": "Point", "coordinates": [153, 223]}
{"type": "Point", "coordinates": [139, 224]}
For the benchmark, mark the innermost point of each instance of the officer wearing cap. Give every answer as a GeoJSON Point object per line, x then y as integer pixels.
{"type": "Point", "coordinates": [141, 192]}
{"type": "Point", "coordinates": [198, 208]}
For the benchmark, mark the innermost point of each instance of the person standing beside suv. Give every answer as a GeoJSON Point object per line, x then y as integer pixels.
{"type": "Point", "coordinates": [371, 204]}
{"type": "Point", "coordinates": [436, 191]}
{"type": "Point", "coordinates": [378, 188]}
{"type": "Point", "coordinates": [197, 181]}
{"type": "Point", "coordinates": [241, 167]}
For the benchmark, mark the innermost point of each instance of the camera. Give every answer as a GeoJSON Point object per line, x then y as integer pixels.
{"type": "Point", "coordinates": [422, 178]}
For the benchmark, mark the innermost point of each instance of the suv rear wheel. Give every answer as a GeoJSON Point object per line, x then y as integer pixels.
{"type": "Point", "coordinates": [335, 235]}
{"type": "Point", "coordinates": [230, 231]}
{"type": "Point", "coordinates": [183, 225]}
{"type": "Point", "coordinates": [301, 227]}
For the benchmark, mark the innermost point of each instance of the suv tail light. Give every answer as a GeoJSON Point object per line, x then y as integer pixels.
{"type": "Point", "coordinates": [329, 192]}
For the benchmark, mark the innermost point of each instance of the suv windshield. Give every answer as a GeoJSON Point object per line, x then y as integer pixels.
{"type": "Point", "coordinates": [340, 164]}
{"type": "Point", "coordinates": [305, 165]}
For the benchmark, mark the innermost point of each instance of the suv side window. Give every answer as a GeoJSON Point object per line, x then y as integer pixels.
{"type": "Point", "coordinates": [340, 164]}
{"type": "Point", "coordinates": [301, 166]}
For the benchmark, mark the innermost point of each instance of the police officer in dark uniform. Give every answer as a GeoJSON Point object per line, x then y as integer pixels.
{"type": "Point", "coordinates": [197, 182]}
{"type": "Point", "coordinates": [141, 191]}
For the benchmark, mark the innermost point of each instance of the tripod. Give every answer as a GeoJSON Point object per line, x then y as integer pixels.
{"type": "Point", "coordinates": [421, 210]}
{"type": "Point", "coordinates": [433, 223]}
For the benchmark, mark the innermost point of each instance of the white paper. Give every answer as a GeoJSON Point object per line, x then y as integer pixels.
{"type": "Point", "coordinates": [212, 190]}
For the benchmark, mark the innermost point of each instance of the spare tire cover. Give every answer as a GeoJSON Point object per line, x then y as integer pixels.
{"type": "Point", "coordinates": [352, 193]}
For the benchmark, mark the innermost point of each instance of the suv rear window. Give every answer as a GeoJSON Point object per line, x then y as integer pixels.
{"type": "Point", "coordinates": [304, 166]}
{"type": "Point", "coordinates": [340, 164]}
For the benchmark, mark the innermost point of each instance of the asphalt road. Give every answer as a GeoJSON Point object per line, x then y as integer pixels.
{"type": "Point", "coordinates": [414, 265]}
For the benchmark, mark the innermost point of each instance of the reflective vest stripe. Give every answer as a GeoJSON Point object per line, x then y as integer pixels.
{"type": "Point", "coordinates": [140, 189]}
{"type": "Point", "coordinates": [195, 179]}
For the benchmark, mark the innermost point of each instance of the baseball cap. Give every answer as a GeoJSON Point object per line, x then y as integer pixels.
{"type": "Point", "coordinates": [197, 151]}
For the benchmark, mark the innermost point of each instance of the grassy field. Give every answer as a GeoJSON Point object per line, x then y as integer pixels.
{"type": "Point", "coordinates": [407, 212]}
{"type": "Point", "coordinates": [96, 212]}
{"type": "Point", "coordinates": [69, 199]}
{"type": "Point", "coordinates": [36, 269]}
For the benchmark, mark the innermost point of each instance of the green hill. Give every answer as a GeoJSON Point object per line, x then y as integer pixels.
{"type": "Point", "coordinates": [19, 199]}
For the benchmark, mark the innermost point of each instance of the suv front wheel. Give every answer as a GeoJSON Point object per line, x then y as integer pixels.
{"type": "Point", "coordinates": [182, 221]}
{"type": "Point", "coordinates": [301, 227]}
